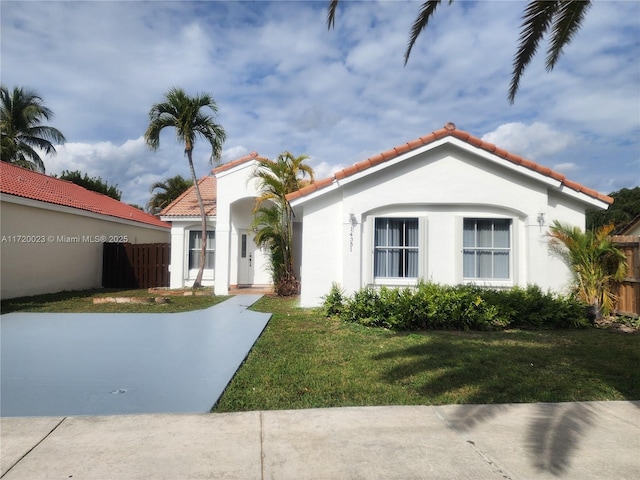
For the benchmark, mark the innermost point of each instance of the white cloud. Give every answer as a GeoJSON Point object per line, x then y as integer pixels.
{"type": "Point", "coordinates": [282, 81]}
{"type": "Point", "coordinates": [535, 141]}
{"type": "Point", "coordinates": [324, 170]}
{"type": "Point", "coordinates": [130, 166]}
{"type": "Point", "coordinates": [565, 167]}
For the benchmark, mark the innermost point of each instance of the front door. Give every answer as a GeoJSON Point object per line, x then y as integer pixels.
{"type": "Point", "coordinates": [246, 258]}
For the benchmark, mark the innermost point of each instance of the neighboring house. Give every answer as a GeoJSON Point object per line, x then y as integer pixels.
{"type": "Point", "coordinates": [233, 259]}
{"type": "Point", "coordinates": [633, 228]}
{"type": "Point", "coordinates": [447, 207]}
{"type": "Point", "coordinates": [52, 232]}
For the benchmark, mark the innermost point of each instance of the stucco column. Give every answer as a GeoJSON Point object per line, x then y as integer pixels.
{"type": "Point", "coordinates": [176, 277]}
{"type": "Point", "coordinates": [223, 251]}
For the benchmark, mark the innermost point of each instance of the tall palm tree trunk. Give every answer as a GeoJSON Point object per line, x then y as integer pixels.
{"type": "Point", "coordinates": [198, 281]}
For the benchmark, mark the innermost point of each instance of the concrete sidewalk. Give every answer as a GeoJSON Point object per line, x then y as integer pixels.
{"type": "Point", "coordinates": [582, 441]}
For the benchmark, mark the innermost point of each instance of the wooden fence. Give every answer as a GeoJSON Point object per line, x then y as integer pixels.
{"type": "Point", "coordinates": [142, 265]}
{"type": "Point", "coordinates": [629, 290]}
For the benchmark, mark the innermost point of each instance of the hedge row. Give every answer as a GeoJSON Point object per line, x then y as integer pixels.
{"type": "Point", "coordinates": [463, 307]}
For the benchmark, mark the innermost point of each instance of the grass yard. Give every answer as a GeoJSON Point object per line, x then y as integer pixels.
{"type": "Point", "coordinates": [82, 302]}
{"type": "Point", "coordinates": [304, 360]}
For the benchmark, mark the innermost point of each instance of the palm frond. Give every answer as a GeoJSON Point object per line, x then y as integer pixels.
{"type": "Point", "coordinates": [567, 22]}
{"type": "Point", "coordinates": [536, 20]}
{"type": "Point", "coordinates": [426, 11]}
{"type": "Point", "coordinates": [331, 16]}
{"type": "Point", "coordinates": [21, 122]}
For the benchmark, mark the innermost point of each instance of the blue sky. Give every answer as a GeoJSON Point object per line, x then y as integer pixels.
{"type": "Point", "coordinates": [282, 81]}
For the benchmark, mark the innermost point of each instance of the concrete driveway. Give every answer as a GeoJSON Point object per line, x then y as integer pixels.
{"type": "Point", "coordinates": [59, 364]}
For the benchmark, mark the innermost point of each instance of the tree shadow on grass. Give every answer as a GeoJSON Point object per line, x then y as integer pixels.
{"type": "Point", "coordinates": [474, 370]}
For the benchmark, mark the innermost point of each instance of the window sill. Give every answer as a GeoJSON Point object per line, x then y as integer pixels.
{"type": "Point", "coordinates": [395, 282]}
{"type": "Point", "coordinates": [488, 282]}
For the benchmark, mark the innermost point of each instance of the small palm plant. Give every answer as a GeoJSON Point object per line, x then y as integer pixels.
{"type": "Point", "coordinates": [273, 216]}
{"type": "Point", "coordinates": [595, 262]}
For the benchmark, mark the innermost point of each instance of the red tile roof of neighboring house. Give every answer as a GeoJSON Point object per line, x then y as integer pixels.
{"type": "Point", "coordinates": [24, 183]}
{"type": "Point", "coordinates": [186, 205]}
{"type": "Point", "coordinates": [449, 130]}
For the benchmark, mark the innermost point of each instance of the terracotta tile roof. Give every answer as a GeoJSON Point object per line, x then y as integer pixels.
{"type": "Point", "coordinates": [449, 130]}
{"type": "Point", "coordinates": [247, 158]}
{"type": "Point", "coordinates": [186, 205]}
{"type": "Point", "coordinates": [24, 183]}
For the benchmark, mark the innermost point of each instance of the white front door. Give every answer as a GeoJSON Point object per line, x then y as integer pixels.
{"type": "Point", "coordinates": [246, 258]}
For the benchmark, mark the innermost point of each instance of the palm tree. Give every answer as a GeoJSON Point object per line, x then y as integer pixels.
{"type": "Point", "coordinates": [167, 192]}
{"type": "Point", "coordinates": [21, 114]}
{"type": "Point", "coordinates": [273, 220]}
{"type": "Point", "coordinates": [595, 262]}
{"type": "Point", "coordinates": [184, 113]}
{"type": "Point", "coordinates": [562, 18]}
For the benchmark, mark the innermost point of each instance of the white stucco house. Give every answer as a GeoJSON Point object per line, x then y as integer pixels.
{"type": "Point", "coordinates": [52, 232]}
{"type": "Point", "coordinates": [446, 207]}
{"type": "Point", "coordinates": [233, 259]}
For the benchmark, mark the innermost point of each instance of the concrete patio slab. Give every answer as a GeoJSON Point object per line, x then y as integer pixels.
{"type": "Point", "coordinates": [58, 364]}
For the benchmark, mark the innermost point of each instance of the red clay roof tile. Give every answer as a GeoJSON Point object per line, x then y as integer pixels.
{"type": "Point", "coordinates": [404, 148]}
{"type": "Point", "coordinates": [20, 182]}
{"type": "Point", "coordinates": [247, 158]}
{"type": "Point", "coordinates": [415, 143]}
{"type": "Point", "coordinates": [376, 159]}
{"type": "Point", "coordinates": [186, 205]}
{"type": "Point", "coordinates": [501, 152]}
{"type": "Point", "coordinates": [450, 130]}
{"type": "Point", "coordinates": [365, 164]}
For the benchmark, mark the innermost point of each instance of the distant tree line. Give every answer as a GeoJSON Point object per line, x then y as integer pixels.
{"type": "Point", "coordinates": [95, 184]}
{"type": "Point", "coordinates": [625, 208]}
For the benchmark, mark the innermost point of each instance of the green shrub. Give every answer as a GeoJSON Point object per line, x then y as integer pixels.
{"type": "Point", "coordinates": [333, 303]}
{"type": "Point", "coordinates": [463, 307]}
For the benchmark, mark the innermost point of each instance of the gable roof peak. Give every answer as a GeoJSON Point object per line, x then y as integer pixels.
{"type": "Point", "coordinates": [252, 155]}
{"type": "Point", "coordinates": [449, 130]}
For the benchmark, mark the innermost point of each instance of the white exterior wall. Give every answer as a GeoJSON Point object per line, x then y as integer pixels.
{"type": "Point", "coordinates": [236, 193]}
{"type": "Point", "coordinates": [323, 245]}
{"type": "Point", "coordinates": [440, 187]}
{"type": "Point", "coordinates": [66, 257]}
{"type": "Point", "coordinates": [180, 274]}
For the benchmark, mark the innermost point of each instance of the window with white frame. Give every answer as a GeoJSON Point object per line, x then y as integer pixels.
{"type": "Point", "coordinates": [195, 249]}
{"type": "Point", "coordinates": [486, 248]}
{"type": "Point", "coordinates": [396, 249]}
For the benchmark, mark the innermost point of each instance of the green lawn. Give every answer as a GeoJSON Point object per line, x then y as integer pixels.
{"type": "Point", "coordinates": [304, 360]}
{"type": "Point", "coordinates": [82, 301]}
